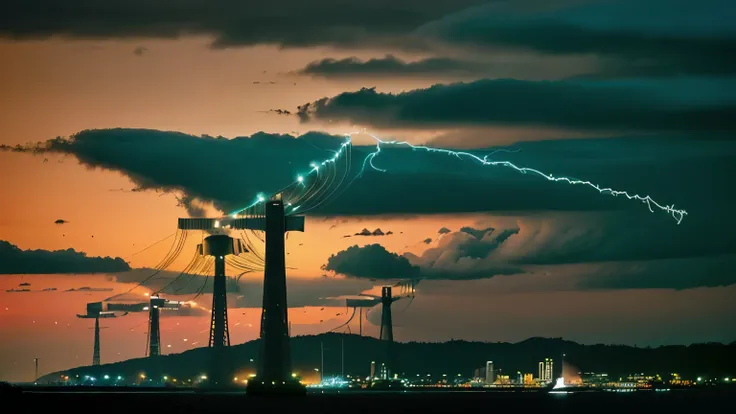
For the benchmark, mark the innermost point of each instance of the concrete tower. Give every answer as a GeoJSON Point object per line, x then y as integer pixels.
{"type": "Point", "coordinates": [96, 351]}
{"type": "Point", "coordinates": [387, 332]}
{"type": "Point", "coordinates": [274, 363]}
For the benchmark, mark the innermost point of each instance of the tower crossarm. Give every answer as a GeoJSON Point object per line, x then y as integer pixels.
{"type": "Point", "coordinates": [292, 223]}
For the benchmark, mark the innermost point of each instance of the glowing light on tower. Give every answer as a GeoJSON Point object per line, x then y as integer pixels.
{"type": "Point", "coordinates": [302, 177]}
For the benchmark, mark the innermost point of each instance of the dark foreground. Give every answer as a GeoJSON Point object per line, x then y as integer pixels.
{"type": "Point", "coordinates": [80, 401]}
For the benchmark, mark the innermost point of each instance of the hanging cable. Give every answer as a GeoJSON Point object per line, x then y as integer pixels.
{"type": "Point", "coordinates": [346, 323]}
{"type": "Point", "coordinates": [172, 252]}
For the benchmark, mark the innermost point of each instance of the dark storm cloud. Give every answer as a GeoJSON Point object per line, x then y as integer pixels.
{"type": "Point", "coordinates": [466, 255]}
{"type": "Point", "coordinates": [392, 66]}
{"type": "Point", "coordinates": [230, 22]}
{"type": "Point", "coordinates": [692, 174]}
{"type": "Point", "coordinates": [16, 261]}
{"type": "Point", "coordinates": [577, 252]}
{"type": "Point", "coordinates": [683, 105]}
{"type": "Point", "coordinates": [206, 168]}
{"type": "Point", "coordinates": [371, 261]}
{"type": "Point", "coordinates": [687, 173]}
{"type": "Point", "coordinates": [630, 37]}
{"type": "Point", "coordinates": [646, 38]}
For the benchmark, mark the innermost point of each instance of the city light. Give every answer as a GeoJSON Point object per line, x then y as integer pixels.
{"type": "Point", "coordinates": [106, 377]}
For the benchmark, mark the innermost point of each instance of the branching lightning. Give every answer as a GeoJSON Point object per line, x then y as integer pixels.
{"type": "Point", "coordinates": [678, 215]}
{"type": "Point", "coordinates": [299, 181]}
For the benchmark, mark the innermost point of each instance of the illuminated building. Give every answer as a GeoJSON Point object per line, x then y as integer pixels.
{"type": "Point", "coordinates": [489, 373]}
{"type": "Point", "coordinates": [541, 371]}
{"type": "Point", "coordinates": [503, 380]}
{"type": "Point", "coordinates": [595, 379]}
{"type": "Point", "coordinates": [373, 369]}
{"type": "Point", "coordinates": [529, 379]}
{"type": "Point", "coordinates": [548, 370]}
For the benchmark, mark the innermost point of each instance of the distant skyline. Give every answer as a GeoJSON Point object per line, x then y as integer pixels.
{"type": "Point", "coordinates": [111, 115]}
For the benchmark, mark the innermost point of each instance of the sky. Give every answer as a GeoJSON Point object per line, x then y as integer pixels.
{"type": "Point", "coordinates": [587, 195]}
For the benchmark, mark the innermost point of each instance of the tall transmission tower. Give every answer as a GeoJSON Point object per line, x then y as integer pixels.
{"type": "Point", "coordinates": [154, 326]}
{"type": "Point", "coordinates": [97, 310]}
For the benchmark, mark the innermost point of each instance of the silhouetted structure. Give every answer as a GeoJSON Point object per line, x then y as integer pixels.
{"type": "Point", "coordinates": [219, 246]}
{"type": "Point", "coordinates": [387, 331]}
{"type": "Point", "coordinates": [96, 352]}
{"type": "Point", "coordinates": [154, 326]}
{"type": "Point", "coordinates": [96, 310]}
{"type": "Point", "coordinates": [274, 363]}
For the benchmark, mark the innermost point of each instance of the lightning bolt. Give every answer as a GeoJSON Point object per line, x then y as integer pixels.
{"type": "Point", "coordinates": [678, 215]}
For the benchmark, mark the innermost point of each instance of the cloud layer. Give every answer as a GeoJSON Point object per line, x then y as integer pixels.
{"type": "Point", "coordinates": [16, 261]}
{"type": "Point", "coordinates": [628, 37]}
{"type": "Point", "coordinates": [672, 170]}
{"type": "Point", "coordinates": [558, 252]}
{"type": "Point", "coordinates": [685, 105]}
{"type": "Point", "coordinates": [229, 22]}
{"type": "Point", "coordinates": [656, 37]}
{"type": "Point", "coordinates": [392, 66]}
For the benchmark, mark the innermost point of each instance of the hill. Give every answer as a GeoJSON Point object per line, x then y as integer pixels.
{"type": "Point", "coordinates": [452, 358]}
